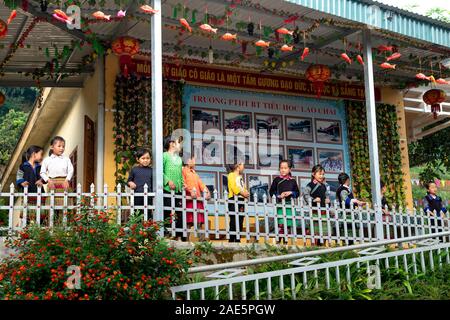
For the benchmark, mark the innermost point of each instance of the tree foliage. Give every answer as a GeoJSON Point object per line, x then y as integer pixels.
{"type": "Point", "coordinates": [11, 126]}
{"type": "Point", "coordinates": [13, 116]}
{"type": "Point", "coordinates": [433, 152]}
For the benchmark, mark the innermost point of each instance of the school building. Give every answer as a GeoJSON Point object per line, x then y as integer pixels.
{"type": "Point", "coordinates": [143, 81]}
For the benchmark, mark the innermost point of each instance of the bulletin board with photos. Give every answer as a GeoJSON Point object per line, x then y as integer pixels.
{"type": "Point", "coordinates": [226, 125]}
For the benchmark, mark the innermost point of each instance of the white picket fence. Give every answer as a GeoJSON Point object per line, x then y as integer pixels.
{"type": "Point", "coordinates": [312, 269]}
{"type": "Point", "coordinates": [262, 221]}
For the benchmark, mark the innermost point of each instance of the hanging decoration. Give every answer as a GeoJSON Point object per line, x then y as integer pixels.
{"type": "Point", "coordinates": [360, 59]}
{"type": "Point", "coordinates": [434, 97]}
{"type": "Point", "coordinates": [394, 56]}
{"type": "Point", "coordinates": [3, 29]}
{"type": "Point", "coordinates": [305, 53]}
{"type": "Point", "coordinates": [147, 9]}
{"type": "Point", "coordinates": [121, 13]}
{"type": "Point", "coordinates": [206, 27]}
{"type": "Point", "coordinates": [99, 15]}
{"type": "Point", "coordinates": [318, 74]}
{"type": "Point", "coordinates": [2, 99]}
{"type": "Point", "coordinates": [285, 31]}
{"type": "Point", "coordinates": [60, 16]}
{"type": "Point", "coordinates": [389, 151]}
{"type": "Point", "coordinates": [12, 16]}
{"type": "Point", "coordinates": [287, 48]}
{"type": "Point", "coordinates": [229, 37]}
{"type": "Point", "coordinates": [262, 44]}
{"type": "Point", "coordinates": [386, 65]}
{"type": "Point", "coordinates": [384, 48]}
{"type": "Point", "coordinates": [346, 58]}
{"type": "Point", "coordinates": [185, 24]}
{"type": "Point", "coordinates": [125, 47]}
{"type": "Point", "coordinates": [132, 119]}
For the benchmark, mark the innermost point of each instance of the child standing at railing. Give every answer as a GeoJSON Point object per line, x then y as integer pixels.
{"type": "Point", "coordinates": [57, 170]}
{"type": "Point", "coordinates": [236, 186]}
{"type": "Point", "coordinates": [196, 189]}
{"type": "Point", "coordinates": [140, 175]}
{"type": "Point", "coordinates": [284, 187]}
{"type": "Point", "coordinates": [433, 206]}
{"type": "Point", "coordinates": [173, 181]}
{"type": "Point", "coordinates": [28, 174]}
{"type": "Point", "coordinates": [346, 200]}
{"type": "Point", "coordinates": [344, 194]}
{"type": "Point", "coordinates": [317, 193]}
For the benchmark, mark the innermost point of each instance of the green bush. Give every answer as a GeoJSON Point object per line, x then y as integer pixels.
{"type": "Point", "coordinates": [129, 262]}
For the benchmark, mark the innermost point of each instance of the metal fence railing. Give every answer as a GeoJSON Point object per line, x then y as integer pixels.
{"type": "Point", "coordinates": [223, 218]}
{"type": "Point", "coordinates": [314, 270]}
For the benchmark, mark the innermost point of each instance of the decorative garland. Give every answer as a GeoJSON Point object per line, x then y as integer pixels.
{"type": "Point", "coordinates": [132, 118]}
{"type": "Point", "coordinates": [389, 152]}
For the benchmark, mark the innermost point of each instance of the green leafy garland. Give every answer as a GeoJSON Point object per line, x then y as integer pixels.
{"type": "Point", "coordinates": [133, 120]}
{"type": "Point", "coordinates": [389, 151]}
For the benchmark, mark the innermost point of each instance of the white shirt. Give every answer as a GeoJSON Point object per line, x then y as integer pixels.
{"type": "Point", "coordinates": [56, 166]}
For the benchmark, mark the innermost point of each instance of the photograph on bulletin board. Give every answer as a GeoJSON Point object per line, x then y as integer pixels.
{"type": "Point", "coordinates": [328, 131]}
{"type": "Point", "coordinates": [269, 157]}
{"type": "Point", "coordinates": [331, 160]}
{"type": "Point", "coordinates": [269, 125]}
{"type": "Point", "coordinates": [301, 158]}
{"type": "Point", "coordinates": [237, 123]}
{"type": "Point", "coordinates": [204, 119]}
{"type": "Point", "coordinates": [334, 185]}
{"type": "Point", "coordinates": [240, 153]}
{"type": "Point", "coordinates": [258, 185]}
{"type": "Point", "coordinates": [208, 151]}
{"type": "Point", "coordinates": [299, 129]}
{"type": "Point", "coordinates": [209, 178]}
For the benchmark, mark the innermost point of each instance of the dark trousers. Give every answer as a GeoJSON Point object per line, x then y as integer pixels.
{"type": "Point", "coordinates": [139, 201]}
{"type": "Point", "coordinates": [233, 213]}
{"type": "Point", "coordinates": [178, 217]}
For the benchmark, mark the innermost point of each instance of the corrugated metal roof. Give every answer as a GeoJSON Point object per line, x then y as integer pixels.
{"type": "Point", "coordinates": [385, 17]}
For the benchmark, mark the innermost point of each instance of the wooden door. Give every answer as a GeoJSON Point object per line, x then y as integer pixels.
{"type": "Point", "coordinates": [89, 153]}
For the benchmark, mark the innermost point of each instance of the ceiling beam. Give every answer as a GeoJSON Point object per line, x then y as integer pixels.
{"type": "Point", "coordinates": [35, 11]}
{"type": "Point", "coordinates": [432, 130]}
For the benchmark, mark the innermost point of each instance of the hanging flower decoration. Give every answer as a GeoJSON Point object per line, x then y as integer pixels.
{"type": "Point", "coordinates": [433, 98]}
{"type": "Point", "coordinates": [318, 74]}
{"type": "Point", "coordinates": [126, 48]}
{"type": "Point", "coordinates": [2, 98]}
{"type": "Point", "coordinates": [3, 29]}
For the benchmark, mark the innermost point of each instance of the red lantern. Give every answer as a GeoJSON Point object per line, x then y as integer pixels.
{"type": "Point", "coordinates": [3, 29]}
{"type": "Point", "coordinates": [318, 74]}
{"type": "Point", "coordinates": [433, 98]}
{"type": "Point", "coordinates": [126, 48]}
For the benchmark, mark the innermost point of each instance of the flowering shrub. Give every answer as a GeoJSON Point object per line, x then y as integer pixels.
{"type": "Point", "coordinates": [128, 262]}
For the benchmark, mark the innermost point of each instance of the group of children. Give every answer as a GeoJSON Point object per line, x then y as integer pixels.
{"type": "Point", "coordinates": [56, 171]}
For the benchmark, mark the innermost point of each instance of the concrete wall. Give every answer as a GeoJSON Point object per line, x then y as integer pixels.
{"type": "Point", "coordinates": [71, 127]}
{"type": "Point", "coordinates": [112, 70]}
